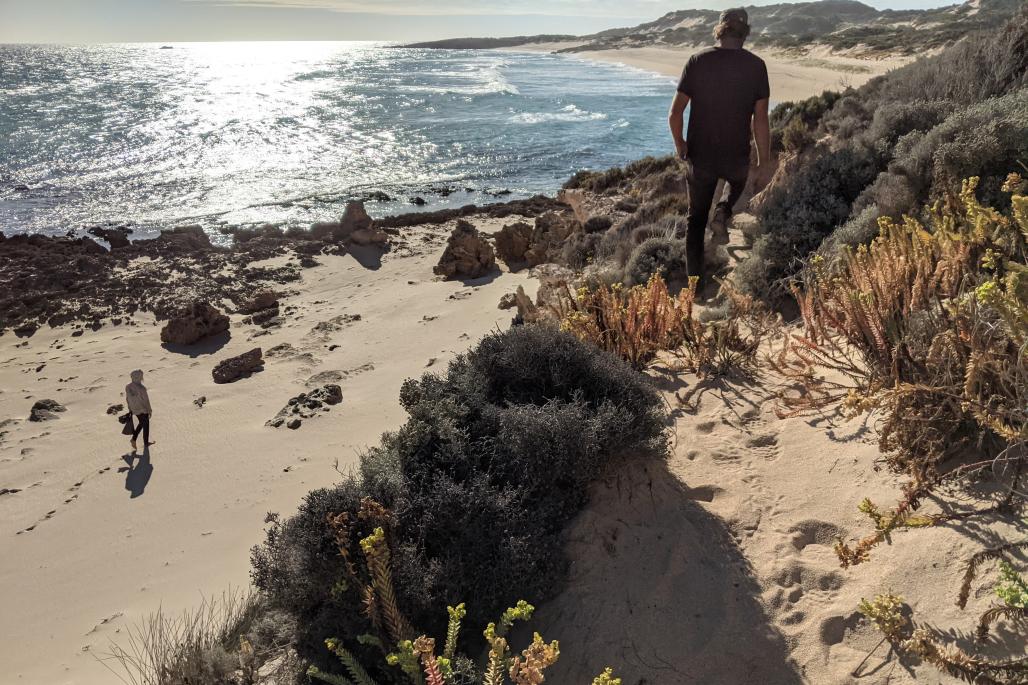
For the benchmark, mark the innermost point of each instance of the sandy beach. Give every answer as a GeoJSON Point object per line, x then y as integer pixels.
{"type": "Point", "coordinates": [90, 547]}
{"type": "Point", "coordinates": [792, 77]}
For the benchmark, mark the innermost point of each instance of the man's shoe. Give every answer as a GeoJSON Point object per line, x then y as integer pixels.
{"type": "Point", "coordinates": [719, 225]}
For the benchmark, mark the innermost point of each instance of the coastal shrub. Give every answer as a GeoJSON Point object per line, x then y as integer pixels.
{"type": "Point", "coordinates": [797, 217]}
{"type": "Point", "coordinates": [664, 218]}
{"type": "Point", "coordinates": [637, 323]}
{"type": "Point", "coordinates": [982, 66]}
{"type": "Point", "coordinates": [909, 136]}
{"type": "Point", "coordinates": [621, 177]}
{"type": "Point", "coordinates": [581, 249]}
{"type": "Point", "coordinates": [661, 256]}
{"type": "Point", "coordinates": [927, 326]}
{"type": "Point", "coordinates": [985, 140]}
{"type": "Point", "coordinates": [494, 459]}
{"type": "Point", "coordinates": [793, 124]}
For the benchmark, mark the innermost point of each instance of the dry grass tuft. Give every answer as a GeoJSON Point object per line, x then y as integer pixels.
{"type": "Point", "coordinates": [639, 322]}
{"type": "Point", "coordinates": [217, 642]}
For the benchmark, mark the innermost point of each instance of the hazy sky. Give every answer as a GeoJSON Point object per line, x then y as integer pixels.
{"type": "Point", "coordinates": [35, 21]}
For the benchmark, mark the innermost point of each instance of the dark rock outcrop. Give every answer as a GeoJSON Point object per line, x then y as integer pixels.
{"type": "Point", "coordinates": [46, 410]}
{"type": "Point", "coordinates": [115, 237]}
{"type": "Point", "coordinates": [467, 255]}
{"type": "Point", "coordinates": [306, 405]}
{"type": "Point", "coordinates": [234, 368]}
{"type": "Point", "coordinates": [197, 321]}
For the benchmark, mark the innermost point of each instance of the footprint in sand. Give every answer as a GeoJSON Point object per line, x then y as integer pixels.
{"type": "Point", "coordinates": [834, 628]}
{"type": "Point", "coordinates": [703, 493]}
{"type": "Point", "coordinates": [813, 532]}
{"type": "Point", "coordinates": [706, 427]}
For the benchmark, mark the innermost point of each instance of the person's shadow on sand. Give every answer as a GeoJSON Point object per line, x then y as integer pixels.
{"type": "Point", "coordinates": [137, 475]}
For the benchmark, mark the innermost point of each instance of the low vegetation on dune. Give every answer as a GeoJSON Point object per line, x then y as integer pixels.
{"type": "Point", "coordinates": [888, 148]}
{"type": "Point", "coordinates": [927, 327]}
{"type": "Point", "coordinates": [465, 502]}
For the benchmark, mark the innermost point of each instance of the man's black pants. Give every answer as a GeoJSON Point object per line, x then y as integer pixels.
{"type": "Point", "coordinates": [702, 186]}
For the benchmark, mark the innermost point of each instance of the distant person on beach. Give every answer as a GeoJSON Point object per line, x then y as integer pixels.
{"type": "Point", "coordinates": [138, 402]}
{"type": "Point", "coordinates": [728, 89]}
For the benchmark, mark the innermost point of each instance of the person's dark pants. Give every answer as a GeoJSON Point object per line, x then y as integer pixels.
{"type": "Point", "coordinates": [142, 424]}
{"type": "Point", "coordinates": [702, 182]}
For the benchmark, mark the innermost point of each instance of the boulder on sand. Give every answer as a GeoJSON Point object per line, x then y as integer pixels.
{"type": "Point", "coordinates": [45, 410]}
{"type": "Point", "coordinates": [355, 227]}
{"type": "Point", "coordinates": [262, 299]}
{"type": "Point", "coordinates": [468, 254]}
{"type": "Point", "coordinates": [513, 241]}
{"type": "Point", "coordinates": [190, 238]}
{"type": "Point", "coordinates": [355, 218]}
{"type": "Point", "coordinates": [197, 321]}
{"type": "Point", "coordinates": [233, 368]}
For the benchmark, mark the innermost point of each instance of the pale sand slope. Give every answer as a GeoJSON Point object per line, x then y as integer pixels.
{"type": "Point", "coordinates": [717, 566]}
{"type": "Point", "coordinates": [96, 560]}
{"type": "Point", "coordinates": [792, 77]}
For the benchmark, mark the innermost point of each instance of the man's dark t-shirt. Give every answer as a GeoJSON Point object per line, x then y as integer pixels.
{"type": "Point", "coordinates": [723, 84]}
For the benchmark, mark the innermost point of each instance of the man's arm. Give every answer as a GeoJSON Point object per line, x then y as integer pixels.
{"type": "Point", "coordinates": [762, 132]}
{"type": "Point", "coordinates": [676, 120]}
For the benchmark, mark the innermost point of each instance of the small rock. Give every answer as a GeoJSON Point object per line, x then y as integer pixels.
{"type": "Point", "coordinates": [46, 410]}
{"type": "Point", "coordinates": [627, 205]}
{"type": "Point", "coordinates": [115, 409]}
{"type": "Point", "coordinates": [293, 424]}
{"type": "Point", "coordinates": [355, 218]}
{"type": "Point", "coordinates": [200, 401]}
{"type": "Point", "coordinates": [508, 301]}
{"type": "Point", "coordinates": [233, 368]}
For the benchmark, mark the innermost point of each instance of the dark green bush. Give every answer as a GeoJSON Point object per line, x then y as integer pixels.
{"type": "Point", "coordinates": [494, 460]}
{"type": "Point", "coordinates": [580, 249]}
{"type": "Point", "coordinates": [799, 215]}
{"type": "Point", "coordinates": [662, 256]}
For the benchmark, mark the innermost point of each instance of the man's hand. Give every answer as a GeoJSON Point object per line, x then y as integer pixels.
{"type": "Point", "coordinates": [763, 173]}
{"type": "Point", "coordinates": [676, 121]}
{"type": "Point", "coordinates": [682, 149]}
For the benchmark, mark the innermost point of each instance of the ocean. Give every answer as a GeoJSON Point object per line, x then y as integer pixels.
{"type": "Point", "coordinates": [150, 136]}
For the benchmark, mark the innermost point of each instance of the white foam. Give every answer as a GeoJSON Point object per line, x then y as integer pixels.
{"type": "Point", "coordinates": [569, 113]}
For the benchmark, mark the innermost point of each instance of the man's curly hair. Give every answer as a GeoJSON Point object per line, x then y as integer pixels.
{"type": "Point", "coordinates": [731, 29]}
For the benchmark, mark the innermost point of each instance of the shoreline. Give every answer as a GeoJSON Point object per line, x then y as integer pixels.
{"type": "Point", "coordinates": [792, 77]}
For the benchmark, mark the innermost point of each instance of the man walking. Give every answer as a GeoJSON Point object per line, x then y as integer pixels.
{"type": "Point", "coordinates": [728, 89]}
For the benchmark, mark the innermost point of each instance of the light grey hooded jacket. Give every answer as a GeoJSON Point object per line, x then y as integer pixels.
{"type": "Point", "coordinates": [135, 395]}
